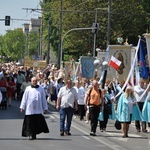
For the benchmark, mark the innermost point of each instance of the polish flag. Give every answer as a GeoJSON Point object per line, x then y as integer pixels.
{"type": "Point", "coordinates": [114, 63]}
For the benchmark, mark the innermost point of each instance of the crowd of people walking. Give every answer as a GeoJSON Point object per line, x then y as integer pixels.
{"type": "Point", "coordinates": [82, 98]}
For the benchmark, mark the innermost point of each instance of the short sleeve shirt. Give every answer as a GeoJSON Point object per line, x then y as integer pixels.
{"type": "Point", "coordinates": [68, 97]}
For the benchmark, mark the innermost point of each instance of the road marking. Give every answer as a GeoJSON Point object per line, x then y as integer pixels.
{"type": "Point", "coordinates": [56, 116]}
{"type": "Point", "coordinates": [86, 137]}
{"type": "Point", "coordinates": [52, 117]}
{"type": "Point", "coordinates": [117, 136]}
{"type": "Point", "coordinates": [114, 146]}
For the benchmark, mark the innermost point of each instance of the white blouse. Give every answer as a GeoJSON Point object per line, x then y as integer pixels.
{"type": "Point", "coordinates": [130, 104]}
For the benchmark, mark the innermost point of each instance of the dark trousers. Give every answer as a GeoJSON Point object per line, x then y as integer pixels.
{"type": "Point", "coordinates": [21, 95]}
{"type": "Point", "coordinates": [81, 111]}
{"type": "Point", "coordinates": [137, 123]}
{"type": "Point", "coordinates": [103, 124]}
{"type": "Point", "coordinates": [18, 91]}
{"type": "Point", "coordinates": [94, 113]}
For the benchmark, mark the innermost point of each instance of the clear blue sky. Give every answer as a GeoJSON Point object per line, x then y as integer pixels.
{"type": "Point", "coordinates": [14, 8]}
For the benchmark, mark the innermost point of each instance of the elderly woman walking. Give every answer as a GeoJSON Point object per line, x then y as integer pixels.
{"type": "Point", "coordinates": [127, 110]}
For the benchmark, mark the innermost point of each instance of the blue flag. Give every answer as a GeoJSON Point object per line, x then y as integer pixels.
{"type": "Point", "coordinates": [88, 67]}
{"type": "Point", "coordinates": [143, 58]}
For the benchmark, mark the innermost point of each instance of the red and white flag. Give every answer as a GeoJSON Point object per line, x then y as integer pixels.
{"type": "Point", "coordinates": [114, 62]}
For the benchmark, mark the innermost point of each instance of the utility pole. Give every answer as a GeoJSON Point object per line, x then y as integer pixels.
{"type": "Point", "coordinates": [40, 35]}
{"type": "Point", "coordinates": [26, 31]}
{"type": "Point", "coordinates": [108, 25]}
{"type": "Point", "coordinates": [108, 42]}
{"type": "Point", "coordinates": [96, 26]}
{"type": "Point", "coordinates": [48, 47]}
{"type": "Point", "coordinates": [60, 34]}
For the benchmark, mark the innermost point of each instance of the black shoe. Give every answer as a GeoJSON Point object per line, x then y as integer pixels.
{"type": "Point", "coordinates": [92, 134]}
{"type": "Point", "coordinates": [67, 133]}
{"type": "Point", "coordinates": [144, 130]}
{"type": "Point", "coordinates": [138, 130]}
{"type": "Point", "coordinates": [33, 137]}
{"type": "Point", "coordinates": [101, 129]}
{"type": "Point", "coordinates": [62, 133]}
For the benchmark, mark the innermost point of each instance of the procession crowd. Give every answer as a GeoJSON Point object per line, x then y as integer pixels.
{"type": "Point", "coordinates": [82, 98]}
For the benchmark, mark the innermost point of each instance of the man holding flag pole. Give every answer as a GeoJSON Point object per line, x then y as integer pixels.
{"type": "Point", "coordinates": [144, 74]}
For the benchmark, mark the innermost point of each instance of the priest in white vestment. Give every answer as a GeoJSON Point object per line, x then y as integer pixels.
{"type": "Point", "coordinates": [35, 105]}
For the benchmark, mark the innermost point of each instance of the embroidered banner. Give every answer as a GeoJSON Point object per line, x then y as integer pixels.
{"type": "Point", "coordinates": [87, 67]}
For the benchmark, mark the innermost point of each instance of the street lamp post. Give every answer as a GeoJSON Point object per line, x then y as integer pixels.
{"type": "Point", "coordinates": [61, 47]}
{"type": "Point", "coordinates": [95, 33]}
{"type": "Point", "coordinates": [97, 27]}
{"type": "Point", "coordinates": [103, 66]}
{"type": "Point", "coordinates": [48, 47]}
{"type": "Point", "coordinates": [60, 32]}
{"type": "Point", "coordinates": [40, 35]}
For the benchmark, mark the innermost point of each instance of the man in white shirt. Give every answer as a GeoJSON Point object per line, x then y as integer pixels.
{"type": "Point", "coordinates": [138, 91]}
{"type": "Point", "coordinates": [66, 103]}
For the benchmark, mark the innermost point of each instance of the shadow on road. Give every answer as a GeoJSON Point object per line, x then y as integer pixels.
{"type": "Point", "coordinates": [51, 139]}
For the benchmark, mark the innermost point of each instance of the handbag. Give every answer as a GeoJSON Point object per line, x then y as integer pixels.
{"type": "Point", "coordinates": [117, 125]}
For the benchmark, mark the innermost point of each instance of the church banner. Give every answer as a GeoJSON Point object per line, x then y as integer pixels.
{"type": "Point", "coordinates": [87, 67]}
{"type": "Point", "coordinates": [123, 54]}
{"type": "Point", "coordinates": [34, 63]}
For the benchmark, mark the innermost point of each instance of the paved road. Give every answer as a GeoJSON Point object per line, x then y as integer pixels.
{"type": "Point", "coordinates": [10, 135]}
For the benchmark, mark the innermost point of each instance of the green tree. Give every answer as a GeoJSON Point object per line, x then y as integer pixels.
{"type": "Point", "coordinates": [34, 41]}
{"type": "Point", "coordinates": [13, 45]}
{"type": "Point", "coordinates": [1, 48]}
{"type": "Point", "coordinates": [127, 19]}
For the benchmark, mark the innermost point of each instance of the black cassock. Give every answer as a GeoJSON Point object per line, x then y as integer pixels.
{"type": "Point", "coordinates": [34, 124]}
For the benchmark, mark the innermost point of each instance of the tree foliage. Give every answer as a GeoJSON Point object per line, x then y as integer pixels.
{"type": "Point", "coordinates": [127, 20]}
{"type": "Point", "coordinates": [34, 43]}
{"type": "Point", "coordinates": [13, 46]}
